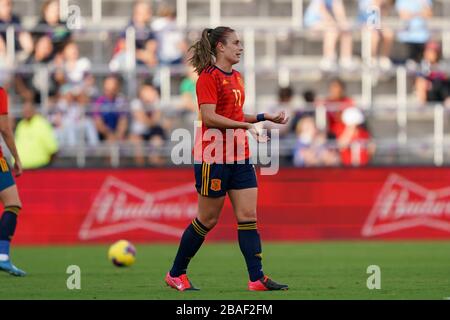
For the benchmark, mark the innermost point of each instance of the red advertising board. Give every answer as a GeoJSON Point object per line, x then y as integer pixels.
{"type": "Point", "coordinates": [145, 205]}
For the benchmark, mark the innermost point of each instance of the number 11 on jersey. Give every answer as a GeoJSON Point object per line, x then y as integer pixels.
{"type": "Point", "coordinates": [237, 96]}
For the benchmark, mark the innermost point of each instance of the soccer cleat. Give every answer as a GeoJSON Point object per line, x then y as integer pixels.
{"type": "Point", "coordinates": [266, 284]}
{"type": "Point", "coordinates": [180, 283]}
{"type": "Point", "coordinates": [7, 266]}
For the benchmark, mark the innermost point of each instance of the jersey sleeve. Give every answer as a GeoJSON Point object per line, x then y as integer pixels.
{"type": "Point", "coordinates": [206, 89]}
{"type": "Point", "coordinates": [3, 102]}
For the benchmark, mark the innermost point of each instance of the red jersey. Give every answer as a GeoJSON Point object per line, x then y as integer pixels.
{"type": "Point", "coordinates": [362, 136]}
{"type": "Point", "coordinates": [3, 107]}
{"type": "Point", "coordinates": [335, 124]}
{"type": "Point", "coordinates": [226, 91]}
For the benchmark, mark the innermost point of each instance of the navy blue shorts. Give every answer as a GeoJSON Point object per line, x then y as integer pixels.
{"type": "Point", "coordinates": [215, 179]}
{"type": "Point", "coordinates": [6, 178]}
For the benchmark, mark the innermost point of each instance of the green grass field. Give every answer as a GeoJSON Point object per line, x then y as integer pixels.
{"type": "Point", "coordinates": [326, 270]}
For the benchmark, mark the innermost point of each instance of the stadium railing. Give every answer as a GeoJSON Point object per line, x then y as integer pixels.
{"type": "Point", "coordinates": [252, 63]}
{"type": "Point", "coordinates": [283, 70]}
{"type": "Point", "coordinates": [397, 146]}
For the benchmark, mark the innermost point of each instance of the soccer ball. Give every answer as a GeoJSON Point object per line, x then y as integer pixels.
{"type": "Point", "coordinates": [122, 253]}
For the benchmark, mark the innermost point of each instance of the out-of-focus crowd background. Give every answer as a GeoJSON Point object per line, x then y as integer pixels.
{"type": "Point", "coordinates": [105, 82]}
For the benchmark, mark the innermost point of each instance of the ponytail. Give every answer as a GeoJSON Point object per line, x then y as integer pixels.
{"type": "Point", "coordinates": [204, 50]}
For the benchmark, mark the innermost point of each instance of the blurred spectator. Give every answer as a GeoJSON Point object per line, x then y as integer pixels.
{"type": "Point", "coordinates": [23, 41]}
{"type": "Point", "coordinates": [311, 148]}
{"type": "Point", "coordinates": [3, 63]}
{"type": "Point", "coordinates": [171, 43]}
{"type": "Point", "coordinates": [145, 125]}
{"type": "Point", "coordinates": [52, 26]}
{"type": "Point", "coordinates": [69, 118]}
{"type": "Point", "coordinates": [146, 43]}
{"type": "Point", "coordinates": [354, 140]}
{"type": "Point", "coordinates": [28, 85]}
{"type": "Point", "coordinates": [414, 14]}
{"type": "Point", "coordinates": [36, 142]}
{"type": "Point", "coordinates": [284, 103]}
{"type": "Point", "coordinates": [90, 87]}
{"type": "Point", "coordinates": [309, 96]}
{"type": "Point", "coordinates": [368, 10]}
{"type": "Point", "coordinates": [432, 83]}
{"type": "Point", "coordinates": [6, 72]}
{"type": "Point", "coordinates": [110, 111]}
{"type": "Point", "coordinates": [329, 17]}
{"type": "Point", "coordinates": [336, 101]}
{"type": "Point", "coordinates": [308, 109]}
{"type": "Point", "coordinates": [188, 92]}
{"type": "Point", "coordinates": [75, 68]}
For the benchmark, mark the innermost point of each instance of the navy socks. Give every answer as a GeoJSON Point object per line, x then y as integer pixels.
{"type": "Point", "coordinates": [250, 244]}
{"type": "Point", "coordinates": [190, 242]}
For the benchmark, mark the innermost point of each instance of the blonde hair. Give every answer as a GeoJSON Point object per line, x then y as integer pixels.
{"type": "Point", "coordinates": [204, 50]}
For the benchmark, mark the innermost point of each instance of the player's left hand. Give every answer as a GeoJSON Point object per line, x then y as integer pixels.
{"type": "Point", "coordinates": [18, 168]}
{"type": "Point", "coordinates": [279, 117]}
{"type": "Point", "coordinates": [259, 136]}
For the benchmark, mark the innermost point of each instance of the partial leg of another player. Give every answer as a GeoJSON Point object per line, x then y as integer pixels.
{"type": "Point", "coordinates": [244, 204]}
{"type": "Point", "coordinates": [12, 205]}
{"type": "Point", "coordinates": [208, 214]}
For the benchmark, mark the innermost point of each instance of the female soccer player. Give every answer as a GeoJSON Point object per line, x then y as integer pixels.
{"type": "Point", "coordinates": [9, 195]}
{"type": "Point", "coordinates": [220, 94]}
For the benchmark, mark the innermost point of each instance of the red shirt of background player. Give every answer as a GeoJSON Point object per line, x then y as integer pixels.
{"type": "Point", "coordinates": [3, 107]}
{"type": "Point", "coordinates": [335, 124]}
{"type": "Point", "coordinates": [363, 136]}
{"type": "Point", "coordinates": [226, 91]}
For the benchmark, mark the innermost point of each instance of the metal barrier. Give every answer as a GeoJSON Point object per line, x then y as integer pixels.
{"type": "Point", "coordinates": [251, 72]}
{"type": "Point", "coordinates": [409, 151]}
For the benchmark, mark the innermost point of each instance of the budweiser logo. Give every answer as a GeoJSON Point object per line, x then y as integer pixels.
{"type": "Point", "coordinates": [120, 207]}
{"type": "Point", "coordinates": [404, 204]}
